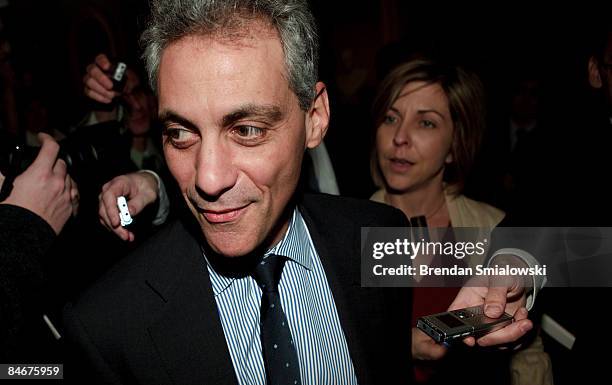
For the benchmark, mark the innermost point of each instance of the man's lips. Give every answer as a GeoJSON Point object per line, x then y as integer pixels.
{"type": "Point", "coordinates": [224, 215]}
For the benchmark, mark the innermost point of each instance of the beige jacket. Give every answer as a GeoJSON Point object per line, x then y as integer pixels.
{"type": "Point", "coordinates": [463, 211]}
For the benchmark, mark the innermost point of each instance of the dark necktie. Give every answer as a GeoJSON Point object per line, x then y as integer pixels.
{"type": "Point", "coordinates": [280, 356]}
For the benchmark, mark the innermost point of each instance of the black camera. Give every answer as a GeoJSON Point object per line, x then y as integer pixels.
{"type": "Point", "coordinates": [91, 155]}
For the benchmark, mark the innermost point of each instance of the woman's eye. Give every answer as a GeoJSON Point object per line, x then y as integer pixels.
{"type": "Point", "coordinates": [248, 132]}
{"type": "Point", "coordinates": [427, 124]}
{"type": "Point", "coordinates": [389, 119]}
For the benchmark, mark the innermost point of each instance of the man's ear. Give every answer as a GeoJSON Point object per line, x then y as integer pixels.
{"type": "Point", "coordinates": [594, 75]}
{"type": "Point", "coordinates": [317, 118]}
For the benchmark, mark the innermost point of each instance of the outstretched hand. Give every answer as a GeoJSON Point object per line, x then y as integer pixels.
{"type": "Point", "coordinates": [506, 294]}
{"type": "Point", "coordinates": [140, 189]}
{"type": "Point", "coordinates": [98, 84]}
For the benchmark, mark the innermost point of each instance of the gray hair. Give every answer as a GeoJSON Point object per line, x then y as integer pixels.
{"type": "Point", "coordinates": [172, 20]}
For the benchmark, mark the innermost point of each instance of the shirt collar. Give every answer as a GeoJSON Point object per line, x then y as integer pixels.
{"type": "Point", "coordinates": [296, 245]}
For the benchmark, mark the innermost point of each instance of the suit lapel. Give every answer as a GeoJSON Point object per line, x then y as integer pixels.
{"type": "Point", "coordinates": [336, 250]}
{"type": "Point", "coordinates": [187, 331]}
{"type": "Point", "coordinates": [375, 321]}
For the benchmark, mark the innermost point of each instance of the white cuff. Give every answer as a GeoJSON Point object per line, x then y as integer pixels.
{"type": "Point", "coordinates": [164, 203]}
{"type": "Point", "coordinates": [538, 280]}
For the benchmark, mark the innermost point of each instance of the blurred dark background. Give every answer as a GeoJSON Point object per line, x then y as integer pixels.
{"type": "Point", "coordinates": [53, 40]}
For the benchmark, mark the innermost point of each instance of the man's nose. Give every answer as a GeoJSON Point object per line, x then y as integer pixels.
{"type": "Point", "coordinates": [215, 170]}
{"type": "Point", "coordinates": [133, 102]}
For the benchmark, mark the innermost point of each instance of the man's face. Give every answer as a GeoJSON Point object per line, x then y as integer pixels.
{"type": "Point", "coordinates": [234, 136]}
{"type": "Point", "coordinates": [140, 103]}
{"type": "Point", "coordinates": [141, 111]}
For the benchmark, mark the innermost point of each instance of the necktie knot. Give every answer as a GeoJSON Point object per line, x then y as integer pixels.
{"type": "Point", "coordinates": [268, 272]}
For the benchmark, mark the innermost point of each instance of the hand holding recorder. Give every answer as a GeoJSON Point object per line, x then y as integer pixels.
{"type": "Point", "coordinates": [139, 189]}
{"type": "Point", "coordinates": [105, 80]}
{"type": "Point", "coordinates": [505, 296]}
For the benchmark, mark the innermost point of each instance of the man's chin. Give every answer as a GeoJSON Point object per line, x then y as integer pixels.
{"type": "Point", "coordinates": [230, 245]}
{"type": "Point", "coordinates": [230, 252]}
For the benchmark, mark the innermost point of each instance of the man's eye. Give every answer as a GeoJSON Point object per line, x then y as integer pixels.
{"type": "Point", "coordinates": [427, 124]}
{"type": "Point", "coordinates": [248, 132]}
{"type": "Point", "coordinates": [179, 137]}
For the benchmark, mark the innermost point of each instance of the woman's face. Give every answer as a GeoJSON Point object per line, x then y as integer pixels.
{"type": "Point", "coordinates": [415, 138]}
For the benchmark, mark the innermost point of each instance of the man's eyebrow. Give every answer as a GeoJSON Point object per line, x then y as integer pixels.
{"type": "Point", "coordinates": [168, 116]}
{"type": "Point", "coordinates": [269, 113]}
{"type": "Point", "coordinates": [432, 111]}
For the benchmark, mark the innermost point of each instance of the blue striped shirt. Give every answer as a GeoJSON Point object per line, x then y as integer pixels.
{"type": "Point", "coordinates": [308, 303]}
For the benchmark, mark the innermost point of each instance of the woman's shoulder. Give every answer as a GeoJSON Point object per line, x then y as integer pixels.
{"type": "Point", "coordinates": [378, 196]}
{"type": "Point", "coordinates": [466, 212]}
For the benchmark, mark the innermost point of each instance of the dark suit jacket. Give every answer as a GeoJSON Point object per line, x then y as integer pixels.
{"type": "Point", "coordinates": [153, 318]}
{"type": "Point", "coordinates": [25, 238]}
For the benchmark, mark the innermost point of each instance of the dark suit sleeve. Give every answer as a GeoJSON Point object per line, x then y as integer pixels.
{"type": "Point", "coordinates": [24, 240]}
{"type": "Point", "coordinates": [84, 363]}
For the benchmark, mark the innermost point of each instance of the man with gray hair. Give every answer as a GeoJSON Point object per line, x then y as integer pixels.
{"type": "Point", "coordinates": [261, 283]}
{"type": "Point", "coordinates": [240, 103]}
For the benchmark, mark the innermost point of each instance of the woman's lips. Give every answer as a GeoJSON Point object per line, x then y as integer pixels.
{"type": "Point", "coordinates": [223, 216]}
{"type": "Point", "coordinates": [400, 165]}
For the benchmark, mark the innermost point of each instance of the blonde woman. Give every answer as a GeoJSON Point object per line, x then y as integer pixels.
{"type": "Point", "coordinates": [429, 123]}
